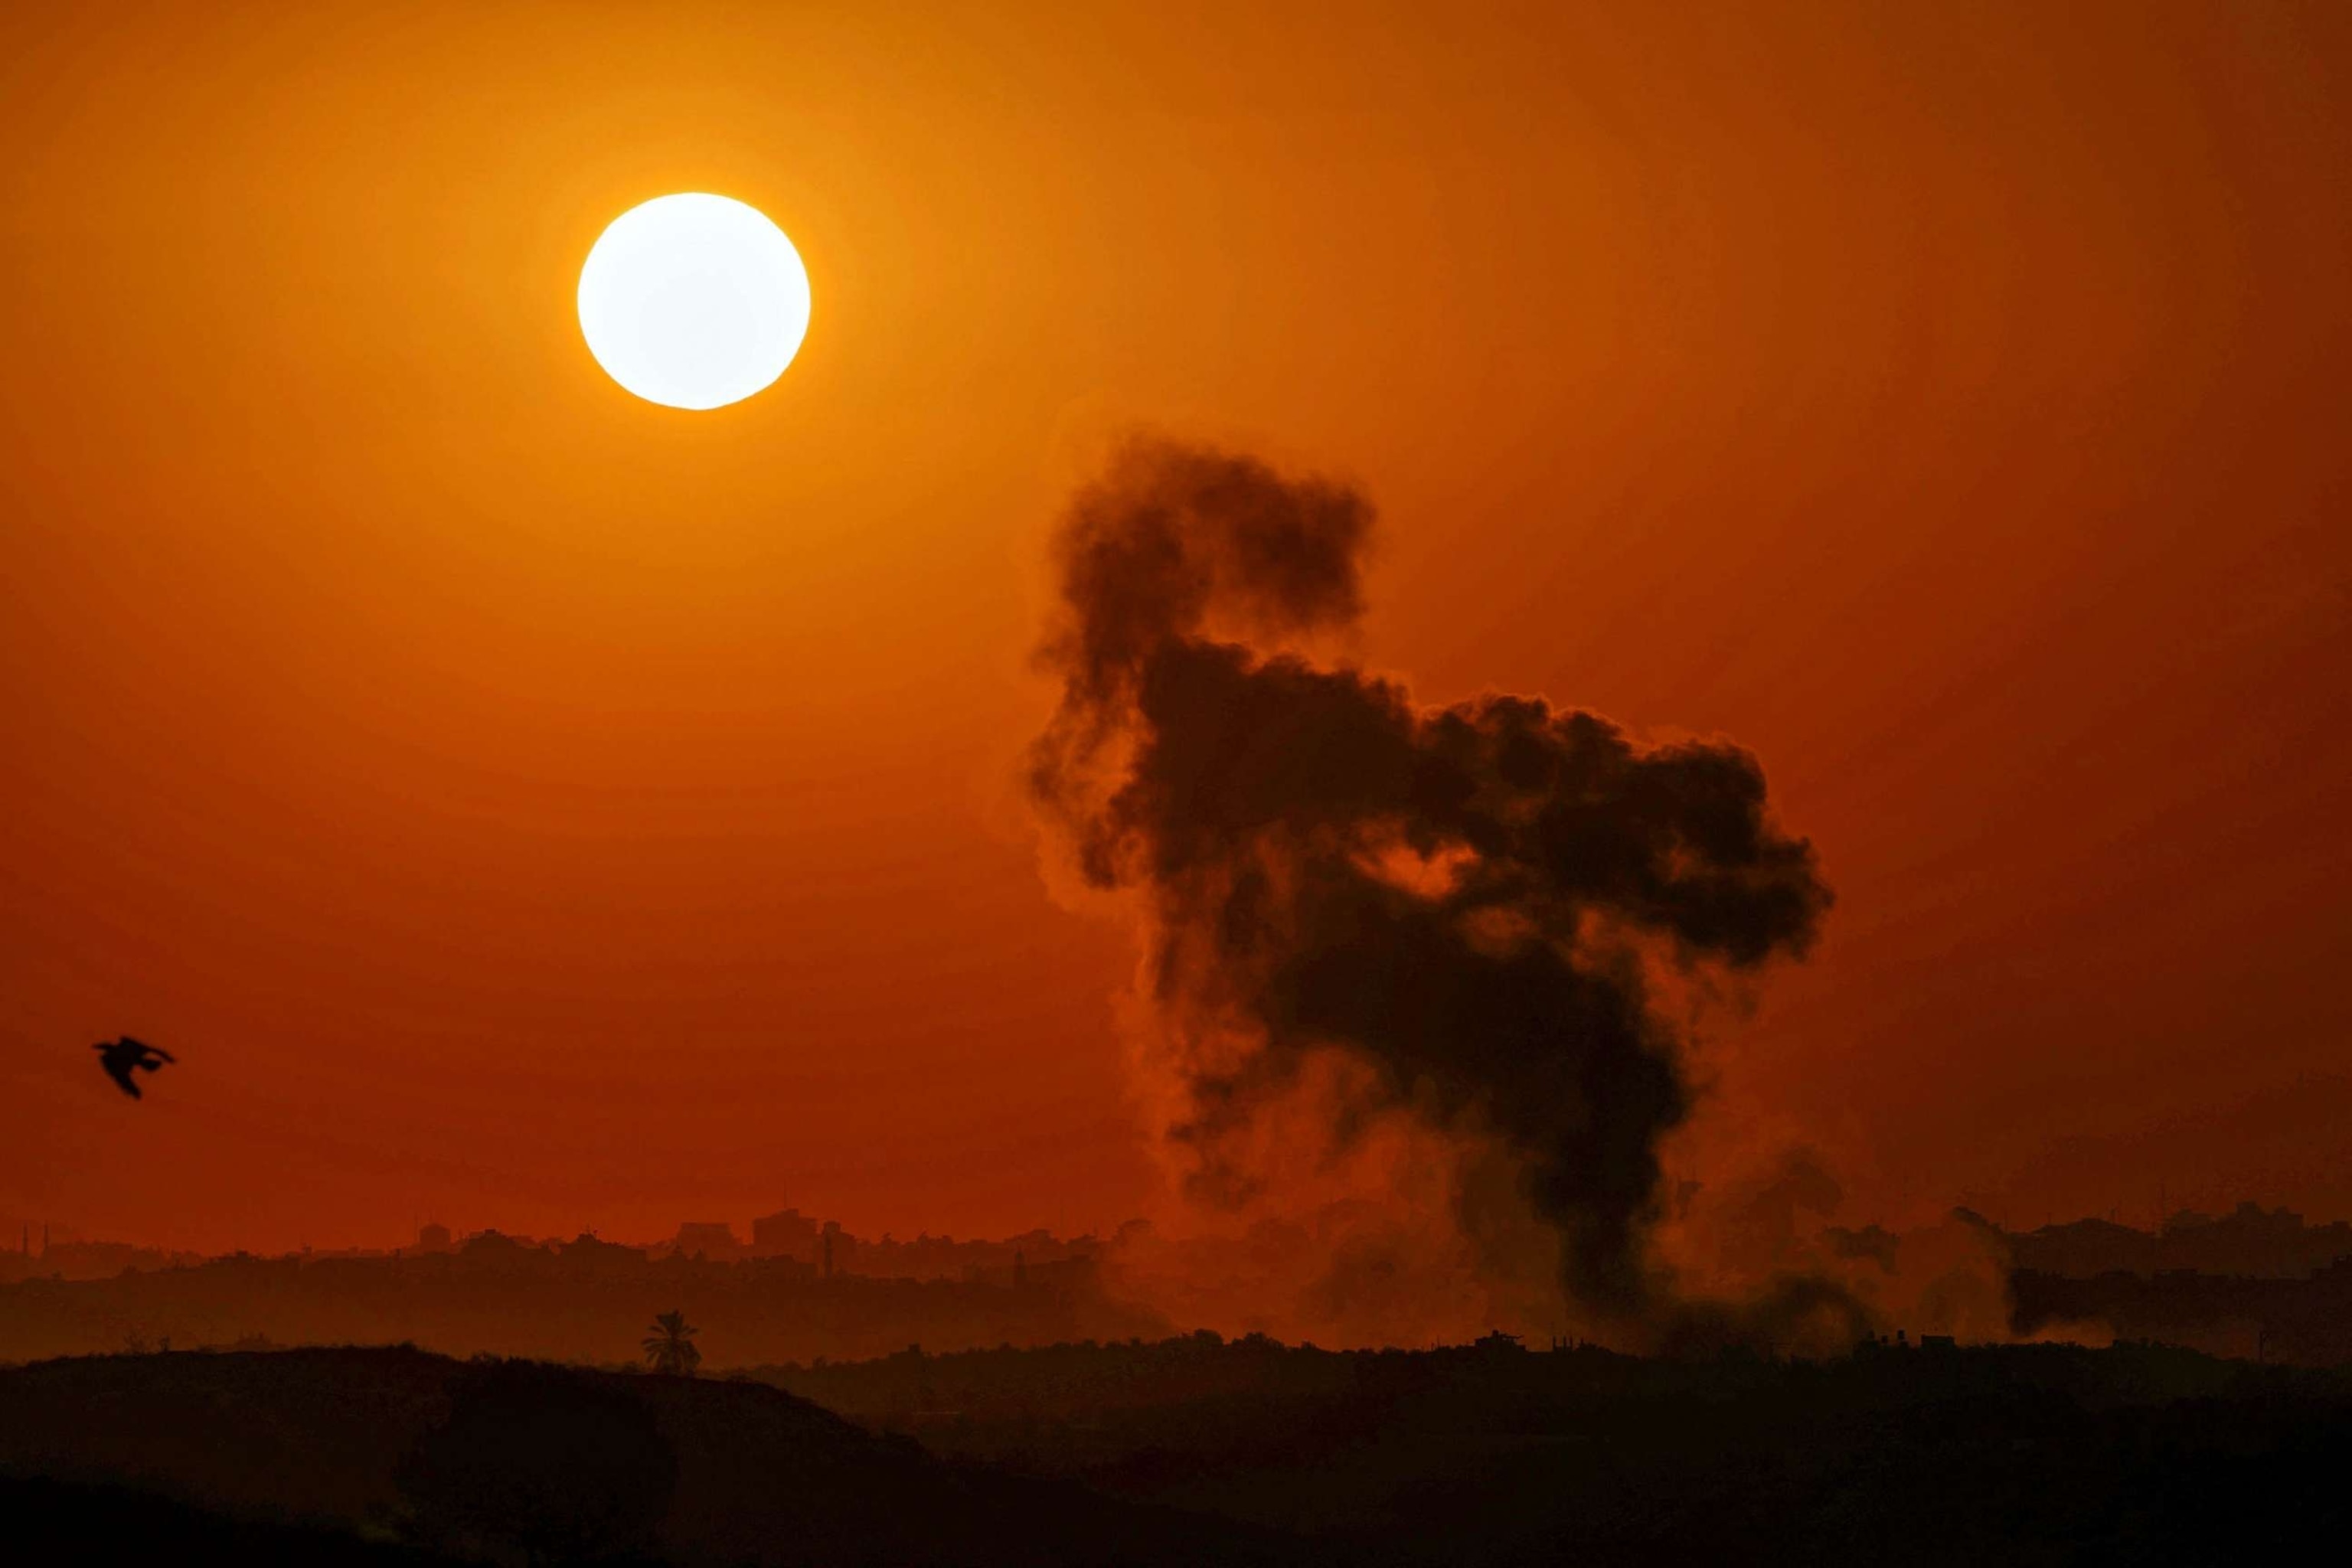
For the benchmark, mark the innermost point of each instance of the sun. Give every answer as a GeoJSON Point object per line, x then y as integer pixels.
{"type": "Point", "coordinates": [693, 300]}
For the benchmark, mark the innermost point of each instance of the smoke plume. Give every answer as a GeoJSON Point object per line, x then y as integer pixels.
{"type": "Point", "coordinates": [1462, 917]}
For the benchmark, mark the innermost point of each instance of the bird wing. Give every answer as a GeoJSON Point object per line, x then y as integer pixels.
{"type": "Point", "coordinates": [120, 1074]}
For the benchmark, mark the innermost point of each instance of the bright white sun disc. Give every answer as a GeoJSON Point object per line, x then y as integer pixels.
{"type": "Point", "coordinates": [693, 300]}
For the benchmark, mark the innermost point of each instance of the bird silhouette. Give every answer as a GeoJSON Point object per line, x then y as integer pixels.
{"type": "Point", "coordinates": [122, 1056]}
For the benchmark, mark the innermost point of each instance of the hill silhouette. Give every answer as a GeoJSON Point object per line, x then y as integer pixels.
{"type": "Point", "coordinates": [68, 1522]}
{"type": "Point", "coordinates": [1190, 1450]}
{"type": "Point", "coordinates": [1933, 1453]}
{"type": "Point", "coordinates": [520, 1461]}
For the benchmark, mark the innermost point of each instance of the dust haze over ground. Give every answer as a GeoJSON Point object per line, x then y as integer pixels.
{"type": "Point", "coordinates": [1409, 976]}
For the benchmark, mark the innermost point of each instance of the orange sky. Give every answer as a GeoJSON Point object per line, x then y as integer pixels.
{"type": "Point", "coordinates": [522, 804]}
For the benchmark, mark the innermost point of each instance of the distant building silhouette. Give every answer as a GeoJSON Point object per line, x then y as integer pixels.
{"type": "Point", "coordinates": [787, 1233]}
{"type": "Point", "coordinates": [835, 1247]}
{"type": "Point", "coordinates": [2250, 1241]}
{"type": "Point", "coordinates": [434, 1238]}
{"type": "Point", "coordinates": [590, 1254]}
{"type": "Point", "coordinates": [709, 1238]}
{"type": "Point", "coordinates": [496, 1250]}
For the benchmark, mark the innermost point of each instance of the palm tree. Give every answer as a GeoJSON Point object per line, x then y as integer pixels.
{"type": "Point", "coordinates": [670, 1347]}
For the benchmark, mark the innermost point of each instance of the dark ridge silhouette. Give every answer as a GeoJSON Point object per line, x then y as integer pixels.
{"type": "Point", "coordinates": [1190, 1450]}
{"type": "Point", "coordinates": [1469, 902]}
{"type": "Point", "coordinates": [533, 1458]}
{"type": "Point", "coordinates": [1490, 1453]}
{"type": "Point", "coordinates": [122, 1057]}
{"type": "Point", "coordinates": [44, 1521]}
{"type": "Point", "coordinates": [526, 1461]}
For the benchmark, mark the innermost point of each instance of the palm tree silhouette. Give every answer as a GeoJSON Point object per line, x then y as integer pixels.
{"type": "Point", "coordinates": [670, 1347]}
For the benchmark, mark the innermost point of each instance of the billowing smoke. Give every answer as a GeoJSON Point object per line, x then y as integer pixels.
{"type": "Point", "coordinates": [1463, 916]}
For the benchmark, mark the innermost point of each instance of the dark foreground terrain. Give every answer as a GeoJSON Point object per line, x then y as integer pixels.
{"type": "Point", "coordinates": [335, 1455]}
{"type": "Point", "coordinates": [1190, 1450]}
{"type": "Point", "coordinates": [2021, 1453]}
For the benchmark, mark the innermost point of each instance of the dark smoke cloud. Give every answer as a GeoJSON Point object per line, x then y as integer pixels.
{"type": "Point", "coordinates": [1470, 905]}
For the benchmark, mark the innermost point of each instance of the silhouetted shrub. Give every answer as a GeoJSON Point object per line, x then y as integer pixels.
{"type": "Point", "coordinates": [541, 1462]}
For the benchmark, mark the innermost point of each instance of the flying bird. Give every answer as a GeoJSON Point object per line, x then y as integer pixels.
{"type": "Point", "coordinates": [123, 1057]}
